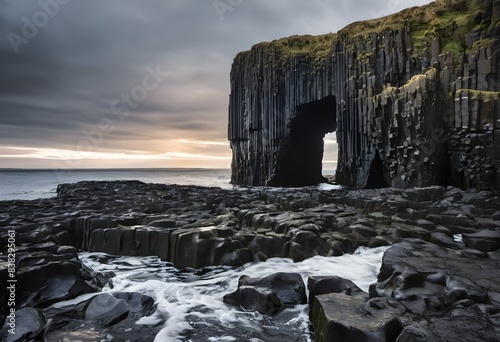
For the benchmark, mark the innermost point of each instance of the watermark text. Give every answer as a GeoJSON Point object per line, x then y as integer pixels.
{"type": "Point", "coordinates": [32, 26]}
{"type": "Point", "coordinates": [10, 321]}
{"type": "Point", "coordinates": [223, 6]}
{"type": "Point", "coordinates": [121, 108]}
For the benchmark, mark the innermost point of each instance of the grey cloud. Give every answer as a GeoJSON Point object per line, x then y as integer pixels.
{"type": "Point", "coordinates": [64, 79]}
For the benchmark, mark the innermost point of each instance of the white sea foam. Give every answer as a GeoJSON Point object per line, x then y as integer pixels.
{"type": "Point", "coordinates": [191, 301]}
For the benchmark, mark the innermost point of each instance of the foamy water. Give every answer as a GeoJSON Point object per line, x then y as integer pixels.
{"type": "Point", "coordinates": [190, 306]}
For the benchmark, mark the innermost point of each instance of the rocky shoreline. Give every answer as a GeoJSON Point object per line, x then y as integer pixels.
{"type": "Point", "coordinates": [438, 282]}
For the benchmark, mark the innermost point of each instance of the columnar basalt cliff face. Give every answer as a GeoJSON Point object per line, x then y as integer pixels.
{"type": "Point", "coordinates": [413, 98]}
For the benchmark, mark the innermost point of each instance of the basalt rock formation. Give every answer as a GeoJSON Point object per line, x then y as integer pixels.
{"type": "Point", "coordinates": [414, 99]}
{"type": "Point", "coordinates": [443, 264]}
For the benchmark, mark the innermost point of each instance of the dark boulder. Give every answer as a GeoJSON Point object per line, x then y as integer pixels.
{"type": "Point", "coordinates": [138, 304]}
{"type": "Point", "coordinates": [485, 240]}
{"type": "Point", "coordinates": [269, 294]}
{"type": "Point", "coordinates": [271, 245]}
{"type": "Point", "coordinates": [343, 318]}
{"type": "Point", "coordinates": [462, 324]}
{"type": "Point", "coordinates": [110, 309]}
{"type": "Point", "coordinates": [260, 299]}
{"type": "Point", "coordinates": [102, 316]}
{"type": "Point", "coordinates": [318, 285]}
{"type": "Point", "coordinates": [48, 283]}
{"type": "Point", "coordinates": [306, 244]}
{"type": "Point", "coordinates": [29, 325]}
{"type": "Point", "coordinates": [428, 278]}
{"type": "Point", "coordinates": [106, 309]}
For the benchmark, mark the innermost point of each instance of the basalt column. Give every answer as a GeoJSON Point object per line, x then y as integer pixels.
{"type": "Point", "coordinates": [280, 109]}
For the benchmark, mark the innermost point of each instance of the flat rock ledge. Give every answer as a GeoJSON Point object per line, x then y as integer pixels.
{"type": "Point", "coordinates": [437, 283]}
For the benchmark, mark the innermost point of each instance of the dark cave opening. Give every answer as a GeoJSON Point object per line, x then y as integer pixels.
{"type": "Point", "coordinates": [376, 178]}
{"type": "Point", "coordinates": [302, 161]}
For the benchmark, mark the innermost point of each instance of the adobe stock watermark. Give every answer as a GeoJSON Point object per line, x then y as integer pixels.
{"type": "Point", "coordinates": [223, 6]}
{"type": "Point", "coordinates": [10, 320]}
{"type": "Point", "coordinates": [139, 93]}
{"type": "Point", "coordinates": [120, 109]}
{"type": "Point", "coordinates": [393, 6]}
{"type": "Point", "coordinates": [32, 26]}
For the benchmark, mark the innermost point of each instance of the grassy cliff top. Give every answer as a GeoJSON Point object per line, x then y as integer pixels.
{"type": "Point", "coordinates": [314, 46]}
{"type": "Point", "coordinates": [448, 19]}
{"type": "Point", "coordinates": [426, 20]}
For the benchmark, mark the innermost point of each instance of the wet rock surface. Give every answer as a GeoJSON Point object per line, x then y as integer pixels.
{"type": "Point", "coordinates": [444, 261]}
{"type": "Point", "coordinates": [102, 316]}
{"type": "Point", "coordinates": [270, 294]}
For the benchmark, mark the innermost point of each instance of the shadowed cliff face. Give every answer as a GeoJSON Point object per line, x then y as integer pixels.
{"type": "Point", "coordinates": [414, 100]}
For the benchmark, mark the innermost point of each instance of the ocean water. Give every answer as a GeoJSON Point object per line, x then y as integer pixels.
{"type": "Point", "coordinates": [190, 306]}
{"type": "Point", "coordinates": [33, 184]}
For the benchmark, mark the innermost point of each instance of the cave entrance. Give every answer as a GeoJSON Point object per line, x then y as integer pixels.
{"type": "Point", "coordinates": [302, 160]}
{"type": "Point", "coordinates": [376, 178]}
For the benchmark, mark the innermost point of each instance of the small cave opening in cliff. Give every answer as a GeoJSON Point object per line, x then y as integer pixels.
{"type": "Point", "coordinates": [376, 178]}
{"type": "Point", "coordinates": [330, 156]}
{"type": "Point", "coordinates": [301, 163]}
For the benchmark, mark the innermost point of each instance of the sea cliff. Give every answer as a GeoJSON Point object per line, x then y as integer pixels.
{"type": "Point", "coordinates": [413, 98]}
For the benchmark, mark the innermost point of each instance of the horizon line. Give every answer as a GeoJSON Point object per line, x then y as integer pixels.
{"type": "Point", "coordinates": [110, 168]}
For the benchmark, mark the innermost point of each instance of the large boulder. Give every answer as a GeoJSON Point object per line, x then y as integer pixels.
{"type": "Point", "coordinates": [485, 240]}
{"type": "Point", "coordinates": [306, 244]}
{"type": "Point", "coordinates": [428, 278]}
{"type": "Point", "coordinates": [50, 282]}
{"type": "Point", "coordinates": [270, 294]}
{"type": "Point", "coordinates": [343, 318]}
{"type": "Point", "coordinates": [318, 285]}
{"type": "Point", "coordinates": [271, 245]}
{"type": "Point", "coordinates": [138, 304]}
{"type": "Point", "coordinates": [29, 324]}
{"type": "Point", "coordinates": [106, 309]}
{"type": "Point", "coordinates": [462, 324]}
{"type": "Point", "coordinates": [104, 316]}
{"type": "Point", "coordinates": [110, 309]}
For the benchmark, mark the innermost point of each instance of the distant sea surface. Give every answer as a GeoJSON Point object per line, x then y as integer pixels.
{"type": "Point", "coordinates": [33, 184]}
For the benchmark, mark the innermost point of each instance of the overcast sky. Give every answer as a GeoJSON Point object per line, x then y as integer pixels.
{"type": "Point", "coordinates": [122, 83]}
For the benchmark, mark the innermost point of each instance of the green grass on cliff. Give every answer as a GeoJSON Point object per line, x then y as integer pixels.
{"type": "Point", "coordinates": [315, 47]}
{"type": "Point", "coordinates": [450, 20]}
{"type": "Point", "coordinates": [318, 46]}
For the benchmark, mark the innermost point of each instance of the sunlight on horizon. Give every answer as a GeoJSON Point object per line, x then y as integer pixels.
{"type": "Point", "coordinates": [41, 157]}
{"type": "Point", "coordinates": [330, 153]}
{"type": "Point", "coordinates": [22, 157]}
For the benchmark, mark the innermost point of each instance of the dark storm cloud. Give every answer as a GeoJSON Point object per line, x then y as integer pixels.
{"type": "Point", "coordinates": [64, 79]}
